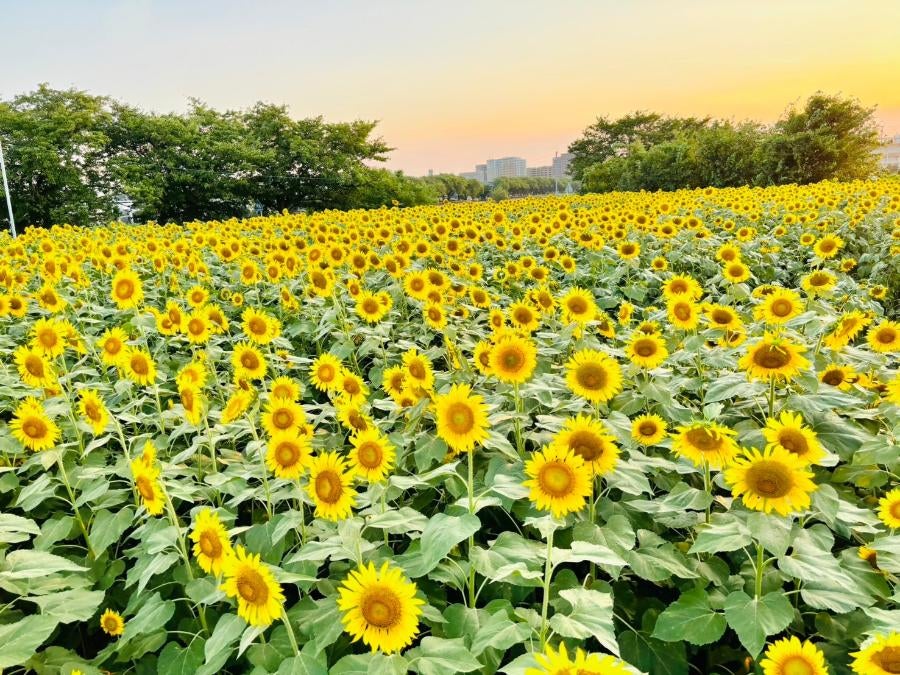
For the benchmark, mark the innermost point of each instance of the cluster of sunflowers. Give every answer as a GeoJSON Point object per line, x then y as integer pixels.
{"type": "Point", "coordinates": [606, 434]}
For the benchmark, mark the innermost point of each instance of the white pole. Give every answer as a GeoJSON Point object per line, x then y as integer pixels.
{"type": "Point", "coordinates": [12, 221]}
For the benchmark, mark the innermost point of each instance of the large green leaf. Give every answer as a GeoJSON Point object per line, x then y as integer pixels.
{"type": "Point", "coordinates": [690, 618]}
{"type": "Point", "coordinates": [19, 640]}
{"type": "Point", "coordinates": [591, 616]}
{"type": "Point", "coordinates": [442, 533]}
{"type": "Point", "coordinates": [754, 619]}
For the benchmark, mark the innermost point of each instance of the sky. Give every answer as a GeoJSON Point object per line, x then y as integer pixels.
{"type": "Point", "coordinates": [454, 83]}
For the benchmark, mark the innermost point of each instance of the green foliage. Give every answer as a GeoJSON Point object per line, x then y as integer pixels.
{"type": "Point", "coordinates": [830, 138]}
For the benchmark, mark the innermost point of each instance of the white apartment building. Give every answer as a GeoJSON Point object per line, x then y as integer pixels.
{"type": "Point", "coordinates": [505, 167]}
{"type": "Point", "coordinates": [539, 172]}
{"type": "Point", "coordinates": [561, 163]}
{"type": "Point", "coordinates": [889, 155]}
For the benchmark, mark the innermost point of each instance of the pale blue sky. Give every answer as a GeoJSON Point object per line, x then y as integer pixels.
{"type": "Point", "coordinates": [456, 82]}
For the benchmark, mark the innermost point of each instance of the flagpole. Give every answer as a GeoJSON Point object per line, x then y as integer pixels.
{"type": "Point", "coordinates": [12, 221]}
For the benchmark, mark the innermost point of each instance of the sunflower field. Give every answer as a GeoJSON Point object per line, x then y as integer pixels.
{"type": "Point", "coordinates": [599, 434]}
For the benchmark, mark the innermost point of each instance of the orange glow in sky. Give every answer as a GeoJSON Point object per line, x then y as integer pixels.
{"type": "Point", "coordinates": [453, 84]}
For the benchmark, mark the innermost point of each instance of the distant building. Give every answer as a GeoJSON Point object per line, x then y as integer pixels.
{"type": "Point", "coordinates": [539, 172]}
{"type": "Point", "coordinates": [469, 175]}
{"type": "Point", "coordinates": [561, 163]}
{"type": "Point", "coordinates": [505, 167]}
{"type": "Point", "coordinates": [889, 155]}
{"type": "Point", "coordinates": [481, 173]}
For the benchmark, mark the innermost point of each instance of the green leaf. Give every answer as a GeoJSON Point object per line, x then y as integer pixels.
{"type": "Point", "coordinates": [15, 529]}
{"type": "Point", "coordinates": [437, 656]}
{"type": "Point", "coordinates": [68, 606]}
{"type": "Point", "coordinates": [21, 639]}
{"type": "Point", "coordinates": [724, 532]}
{"type": "Point", "coordinates": [499, 633]}
{"type": "Point", "coordinates": [221, 643]}
{"type": "Point", "coordinates": [728, 386]}
{"type": "Point", "coordinates": [175, 660]}
{"type": "Point", "coordinates": [303, 664]}
{"type": "Point", "coordinates": [754, 619]}
{"type": "Point", "coordinates": [442, 533]}
{"type": "Point", "coordinates": [108, 527]}
{"type": "Point", "coordinates": [373, 663]}
{"type": "Point", "coordinates": [690, 618]}
{"type": "Point", "coordinates": [591, 616]}
{"type": "Point", "coordinates": [653, 656]}
{"type": "Point", "coordinates": [27, 564]}
{"type": "Point", "coordinates": [152, 616]}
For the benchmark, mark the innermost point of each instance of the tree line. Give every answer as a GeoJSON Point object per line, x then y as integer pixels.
{"type": "Point", "coordinates": [829, 137]}
{"type": "Point", "coordinates": [72, 156]}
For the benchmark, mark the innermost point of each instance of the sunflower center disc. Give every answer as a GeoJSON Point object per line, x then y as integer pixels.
{"type": "Point", "coordinates": [381, 608]}
{"type": "Point", "coordinates": [556, 479]}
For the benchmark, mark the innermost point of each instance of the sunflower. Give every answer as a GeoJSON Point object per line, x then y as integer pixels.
{"type": "Point", "coordinates": [513, 358]}
{"type": "Point", "coordinates": [35, 370]}
{"type": "Point", "coordinates": [869, 555]}
{"type": "Point", "coordinates": [736, 272]}
{"type": "Point", "coordinates": [789, 433]}
{"type": "Point", "coordinates": [828, 246]}
{"type": "Point", "coordinates": [49, 337]}
{"type": "Point", "coordinates": [351, 387]}
{"type": "Point", "coordinates": [893, 390]}
{"type": "Point", "coordinates": [193, 373]}
{"type": "Point", "coordinates": [884, 337]}
{"type": "Point", "coordinates": [889, 509]}
{"type": "Point", "coordinates": [259, 327]}
{"type": "Point", "coordinates": [127, 291]}
{"type": "Point", "coordinates": [683, 314]}
{"type": "Point", "coordinates": [93, 410]}
{"type": "Point", "coordinates": [258, 594]}
{"type": "Point", "coordinates": [773, 357]}
{"type": "Point", "coordinates": [558, 481]}
{"type": "Point", "coordinates": [236, 405]}
{"type": "Point", "coordinates": [112, 623]}
{"type": "Point", "coordinates": [723, 316]}
{"type": "Point", "coordinates": [330, 486]}
{"type": "Point", "coordinates": [352, 416]}
{"type": "Point", "coordinates": [32, 427]}
{"type": "Point", "coordinates": [324, 372]}
{"type": "Point", "coordinates": [192, 402]}
{"type": "Point", "coordinates": [847, 328]}
{"type": "Point", "coordinates": [819, 282]}
{"type": "Point", "coordinates": [372, 456]}
{"type": "Point", "coordinates": [482, 357]}
{"type": "Point", "coordinates": [138, 366]}
{"type": "Point", "coordinates": [589, 439]}
{"type": "Point", "coordinates": [682, 287]}
{"type": "Point", "coordinates": [789, 656]}
{"type": "Point", "coordinates": [288, 454]}
{"type": "Point", "coordinates": [248, 362]}
{"type": "Point", "coordinates": [212, 548]}
{"type": "Point", "coordinates": [524, 317]}
{"type": "Point", "coordinates": [281, 415]}
{"type": "Point", "coordinates": [146, 480]}
{"type": "Point", "coordinates": [648, 429]}
{"type": "Point", "coordinates": [49, 299]}
{"type": "Point", "coordinates": [779, 307]}
{"type": "Point", "coordinates": [558, 663]}
{"type": "Point", "coordinates": [646, 350]}
{"type": "Point", "coordinates": [838, 376]}
{"type": "Point", "coordinates": [461, 418]}
{"type": "Point", "coordinates": [706, 442]}
{"type": "Point", "coordinates": [418, 370]}
{"type": "Point", "coordinates": [771, 480]}
{"type": "Point", "coordinates": [380, 607]}
{"type": "Point", "coordinates": [578, 306]}
{"type": "Point", "coordinates": [593, 375]}
{"type": "Point", "coordinates": [881, 657]}
{"type": "Point", "coordinates": [286, 388]}
{"type": "Point", "coordinates": [197, 327]}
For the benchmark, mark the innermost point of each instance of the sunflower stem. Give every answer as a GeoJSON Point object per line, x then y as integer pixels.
{"type": "Point", "coordinates": [78, 518]}
{"type": "Point", "coordinates": [771, 397]}
{"type": "Point", "coordinates": [470, 485]}
{"type": "Point", "coordinates": [183, 549]}
{"type": "Point", "coordinates": [285, 619]}
{"type": "Point", "coordinates": [545, 602]}
{"type": "Point", "coordinates": [760, 566]}
{"type": "Point", "coordinates": [517, 423]}
{"type": "Point", "coordinates": [265, 475]}
{"type": "Point", "coordinates": [707, 485]}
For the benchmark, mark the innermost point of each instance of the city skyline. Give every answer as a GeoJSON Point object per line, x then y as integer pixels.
{"type": "Point", "coordinates": [480, 81]}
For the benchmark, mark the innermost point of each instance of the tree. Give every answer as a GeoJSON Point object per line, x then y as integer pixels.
{"type": "Point", "coordinates": [56, 152]}
{"type": "Point", "coordinates": [830, 138]}
{"type": "Point", "coordinates": [608, 138]}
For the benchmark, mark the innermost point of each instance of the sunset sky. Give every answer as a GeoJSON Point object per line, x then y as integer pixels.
{"type": "Point", "coordinates": [454, 83]}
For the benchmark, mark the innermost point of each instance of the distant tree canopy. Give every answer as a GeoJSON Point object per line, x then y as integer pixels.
{"type": "Point", "coordinates": [70, 155]}
{"type": "Point", "coordinates": [829, 138]}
